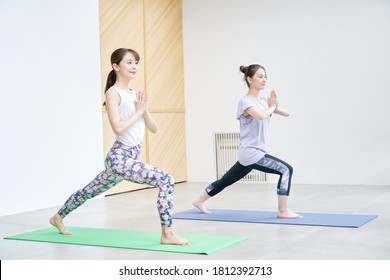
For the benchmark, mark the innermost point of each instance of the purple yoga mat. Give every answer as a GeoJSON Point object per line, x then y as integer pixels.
{"type": "Point", "coordinates": [269, 217]}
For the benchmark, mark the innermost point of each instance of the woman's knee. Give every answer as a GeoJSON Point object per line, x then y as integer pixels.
{"type": "Point", "coordinates": [290, 169]}
{"type": "Point", "coordinates": [171, 180]}
{"type": "Point", "coordinates": [167, 179]}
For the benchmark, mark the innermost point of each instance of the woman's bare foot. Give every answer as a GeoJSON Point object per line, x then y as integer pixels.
{"type": "Point", "coordinates": [201, 207]}
{"type": "Point", "coordinates": [283, 211]}
{"type": "Point", "coordinates": [198, 203]}
{"type": "Point", "coordinates": [56, 221]}
{"type": "Point", "coordinates": [289, 215]}
{"type": "Point", "coordinates": [168, 236]}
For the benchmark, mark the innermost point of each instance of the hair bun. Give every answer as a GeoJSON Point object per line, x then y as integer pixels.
{"type": "Point", "coordinates": [243, 69]}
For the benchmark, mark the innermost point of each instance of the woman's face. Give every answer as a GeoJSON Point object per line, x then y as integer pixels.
{"type": "Point", "coordinates": [128, 66]}
{"type": "Point", "coordinates": [258, 80]}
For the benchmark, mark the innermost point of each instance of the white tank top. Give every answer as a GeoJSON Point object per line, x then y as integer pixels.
{"type": "Point", "coordinates": [134, 135]}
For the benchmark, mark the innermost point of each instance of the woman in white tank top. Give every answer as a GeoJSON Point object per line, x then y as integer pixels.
{"type": "Point", "coordinates": [128, 116]}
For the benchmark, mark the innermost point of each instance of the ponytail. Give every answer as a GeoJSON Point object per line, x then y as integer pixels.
{"type": "Point", "coordinates": [111, 79]}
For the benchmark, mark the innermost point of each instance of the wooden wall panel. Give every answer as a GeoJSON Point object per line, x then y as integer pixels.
{"type": "Point", "coordinates": [121, 26]}
{"type": "Point", "coordinates": [167, 147]}
{"type": "Point", "coordinates": [164, 55]}
{"type": "Point", "coordinates": [164, 81]}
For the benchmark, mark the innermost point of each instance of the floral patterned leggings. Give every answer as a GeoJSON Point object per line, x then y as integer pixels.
{"type": "Point", "coordinates": [122, 164]}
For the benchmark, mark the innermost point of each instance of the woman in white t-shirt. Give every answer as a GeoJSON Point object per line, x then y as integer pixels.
{"type": "Point", "coordinates": [254, 113]}
{"type": "Point", "coordinates": [128, 116]}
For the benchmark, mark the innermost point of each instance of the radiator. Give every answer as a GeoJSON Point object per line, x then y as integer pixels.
{"type": "Point", "coordinates": [226, 148]}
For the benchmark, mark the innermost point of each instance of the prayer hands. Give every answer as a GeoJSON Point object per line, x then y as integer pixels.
{"type": "Point", "coordinates": [273, 99]}
{"type": "Point", "coordinates": [141, 101]}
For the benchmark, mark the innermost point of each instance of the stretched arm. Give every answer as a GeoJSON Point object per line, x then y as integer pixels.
{"type": "Point", "coordinates": [112, 103]}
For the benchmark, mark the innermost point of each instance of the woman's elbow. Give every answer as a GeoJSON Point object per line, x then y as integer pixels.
{"type": "Point", "coordinates": [153, 129]}
{"type": "Point", "coordinates": [117, 131]}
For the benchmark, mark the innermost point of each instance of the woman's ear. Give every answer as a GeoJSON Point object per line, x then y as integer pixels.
{"type": "Point", "coordinates": [115, 67]}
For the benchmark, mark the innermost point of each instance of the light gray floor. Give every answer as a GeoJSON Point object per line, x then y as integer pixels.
{"type": "Point", "coordinates": [137, 211]}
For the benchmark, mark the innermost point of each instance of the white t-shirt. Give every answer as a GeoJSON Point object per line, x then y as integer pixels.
{"type": "Point", "coordinates": [253, 132]}
{"type": "Point", "coordinates": [134, 135]}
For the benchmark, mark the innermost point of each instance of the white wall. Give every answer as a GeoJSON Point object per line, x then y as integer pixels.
{"type": "Point", "coordinates": [328, 61]}
{"type": "Point", "coordinates": [50, 123]}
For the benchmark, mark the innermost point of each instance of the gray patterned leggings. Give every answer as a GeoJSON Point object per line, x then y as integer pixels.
{"type": "Point", "coordinates": [122, 164]}
{"type": "Point", "coordinates": [268, 164]}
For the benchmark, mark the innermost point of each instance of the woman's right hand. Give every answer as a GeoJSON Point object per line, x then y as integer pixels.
{"type": "Point", "coordinates": [273, 100]}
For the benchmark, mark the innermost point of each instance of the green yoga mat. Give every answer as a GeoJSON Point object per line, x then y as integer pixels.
{"type": "Point", "coordinates": [140, 240]}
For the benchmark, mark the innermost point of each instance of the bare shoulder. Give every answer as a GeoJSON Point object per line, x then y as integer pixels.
{"type": "Point", "coordinates": [111, 90]}
{"type": "Point", "coordinates": [112, 96]}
